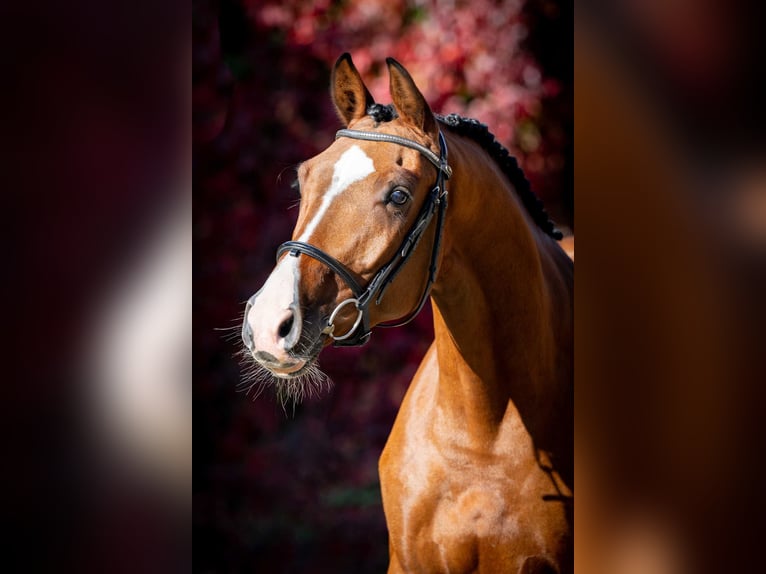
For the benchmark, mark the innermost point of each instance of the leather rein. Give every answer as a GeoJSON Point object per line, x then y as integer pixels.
{"type": "Point", "coordinates": [435, 204]}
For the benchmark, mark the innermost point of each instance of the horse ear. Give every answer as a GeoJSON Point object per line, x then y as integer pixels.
{"type": "Point", "coordinates": [349, 94]}
{"type": "Point", "coordinates": [408, 101]}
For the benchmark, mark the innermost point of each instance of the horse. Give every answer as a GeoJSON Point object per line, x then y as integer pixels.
{"type": "Point", "coordinates": [477, 472]}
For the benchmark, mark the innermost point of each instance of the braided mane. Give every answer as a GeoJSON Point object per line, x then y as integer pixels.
{"type": "Point", "coordinates": [480, 133]}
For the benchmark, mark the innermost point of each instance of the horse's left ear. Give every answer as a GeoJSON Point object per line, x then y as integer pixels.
{"type": "Point", "coordinates": [408, 101]}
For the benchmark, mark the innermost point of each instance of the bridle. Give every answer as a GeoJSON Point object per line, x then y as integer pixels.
{"type": "Point", "coordinates": [435, 203]}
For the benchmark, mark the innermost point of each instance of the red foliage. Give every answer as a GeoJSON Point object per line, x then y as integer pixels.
{"type": "Point", "coordinates": [469, 60]}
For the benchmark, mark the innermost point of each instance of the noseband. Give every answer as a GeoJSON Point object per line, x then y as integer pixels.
{"type": "Point", "coordinates": [435, 203]}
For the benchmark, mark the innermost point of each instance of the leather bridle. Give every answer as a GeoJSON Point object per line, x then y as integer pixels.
{"type": "Point", "coordinates": [435, 203]}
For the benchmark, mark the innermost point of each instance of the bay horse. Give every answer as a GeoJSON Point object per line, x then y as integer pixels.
{"type": "Point", "coordinates": [476, 475]}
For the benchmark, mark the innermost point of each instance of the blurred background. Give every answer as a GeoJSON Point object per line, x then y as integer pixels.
{"type": "Point", "coordinates": [96, 266]}
{"type": "Point", "coordinates": [296, 489]}
{"type": "Point", "coordinates": [671, 277]}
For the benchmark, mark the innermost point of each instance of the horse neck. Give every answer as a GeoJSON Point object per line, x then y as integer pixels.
{"type": "Point", "coordinates": [502, 314]}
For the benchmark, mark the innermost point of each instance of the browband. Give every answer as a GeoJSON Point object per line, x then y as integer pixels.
{"type": "Point", "coordinates": [379, 137]}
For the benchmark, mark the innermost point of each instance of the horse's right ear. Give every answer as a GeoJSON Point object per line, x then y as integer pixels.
{"type": "Point", "coordinates": [349, 94]}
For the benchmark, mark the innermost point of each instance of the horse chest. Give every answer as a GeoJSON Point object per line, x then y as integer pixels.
{"type": "Point", "coordinates": [447, 519]}
{"type": "Point", "coordinates": [452, 511]}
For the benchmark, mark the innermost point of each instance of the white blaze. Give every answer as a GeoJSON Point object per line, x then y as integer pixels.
{"type": "Point", "coordinates": [281, 288]}
{"type": "Point", "coordinates": [354, 165]}
{"type": "Point", "coordinates": [280, 292]}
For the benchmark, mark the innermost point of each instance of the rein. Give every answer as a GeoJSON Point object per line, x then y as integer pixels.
{"type": "Point", "coordinates": [435, 203]}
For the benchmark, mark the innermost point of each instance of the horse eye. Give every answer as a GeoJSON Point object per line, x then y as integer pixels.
{"type": "Point", "coordinates": [399, 196]}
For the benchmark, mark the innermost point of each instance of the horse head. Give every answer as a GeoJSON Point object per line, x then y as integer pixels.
{"type": "Point", "coordinates": [366, 201]}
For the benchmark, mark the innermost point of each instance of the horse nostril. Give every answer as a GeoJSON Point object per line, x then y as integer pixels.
{"type": "Point", "coordinates": [286, 326]}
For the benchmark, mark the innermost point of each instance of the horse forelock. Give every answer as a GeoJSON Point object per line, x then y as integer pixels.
{"type": "Point", "coordinates": [382, 113]}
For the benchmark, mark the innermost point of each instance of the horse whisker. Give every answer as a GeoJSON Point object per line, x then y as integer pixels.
{"type": "Point", "coordinates": [255, 378]}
